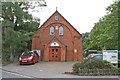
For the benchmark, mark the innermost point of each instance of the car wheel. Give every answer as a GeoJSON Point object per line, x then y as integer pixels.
{"type": "Point", "coordinates": [20, 64]}
{"type": "Point", "coordinates": [34, 62]}
{"type": "Point", "coordinates": [38, 60]}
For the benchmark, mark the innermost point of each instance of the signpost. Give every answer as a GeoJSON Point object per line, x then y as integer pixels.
{"type": "Point", "coordinates": [111, 56]}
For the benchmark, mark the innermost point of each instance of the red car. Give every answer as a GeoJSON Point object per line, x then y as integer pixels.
{"type": "Point", "coordinates": [30, 57]}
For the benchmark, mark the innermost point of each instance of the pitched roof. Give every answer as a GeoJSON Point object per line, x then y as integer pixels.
{"type": "Point", "coordinates": [62, 17]}
{"type": "Point", "coordinates": [67, 22]}
{"type": "Point", "coordinates": [57, 39]}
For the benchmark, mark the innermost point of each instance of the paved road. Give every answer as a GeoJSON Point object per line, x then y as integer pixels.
{"type": "Point", "coordinates": [6, 74]}
{"type": "Point", "coordinates": [49, 70]}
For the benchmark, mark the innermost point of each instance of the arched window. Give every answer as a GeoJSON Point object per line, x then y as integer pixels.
{"type": "Point", "coordinates": [61, 31]}
{"type": "Point", "coordinates": [51, 30]}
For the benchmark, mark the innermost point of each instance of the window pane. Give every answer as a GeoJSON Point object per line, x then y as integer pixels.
{"type": "Point", "coordinates": [56, 18]}
{"type": "Point", "coordinates": [61, 30]}
{"type": "Point", "coordinates": [51, 30]}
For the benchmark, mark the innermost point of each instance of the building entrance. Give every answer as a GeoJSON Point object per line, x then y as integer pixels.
{"type": "Point", "coordinates": [55, 53]}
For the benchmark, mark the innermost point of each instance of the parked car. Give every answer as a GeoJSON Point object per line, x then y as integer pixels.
{"type": "Point", "coordinates": [30, 57]}
{"type": "Point", "coordinates": [99, 56]}
{"type": "Point", "coordinates": [118, 63]}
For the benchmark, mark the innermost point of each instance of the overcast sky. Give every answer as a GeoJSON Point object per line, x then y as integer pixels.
{"type": "Point", "coordinates": [82, 14]}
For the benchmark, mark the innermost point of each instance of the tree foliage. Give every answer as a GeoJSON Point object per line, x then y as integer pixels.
{"type": "Point", "coordinates": [85, 39]}
{"type": "Point", "coordinates": [18, 26]}
{"type": "Point", "coordinates": [104, 34]}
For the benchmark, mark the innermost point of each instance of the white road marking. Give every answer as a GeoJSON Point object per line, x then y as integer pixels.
{"type": "Point", "coordinates": [17, 74]}
{"type": "Point", "coordinates": [40, 70]}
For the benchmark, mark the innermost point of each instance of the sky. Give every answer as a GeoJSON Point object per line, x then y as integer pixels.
{"type": "Point", "coordinates": [82, 14]}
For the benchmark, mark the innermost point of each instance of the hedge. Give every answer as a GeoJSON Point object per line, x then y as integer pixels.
{"type": "Point", "coordinates": [98, 72]}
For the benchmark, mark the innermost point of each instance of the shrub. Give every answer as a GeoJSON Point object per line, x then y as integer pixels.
{"type": "Point", "coordinates": [79, 65]}
{"type": "Point", "coordinates": [92, 63]}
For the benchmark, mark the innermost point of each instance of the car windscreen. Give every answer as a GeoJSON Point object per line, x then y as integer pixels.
{"type": "Point", "coordinates": [36, 52]}
{"type": "Point", "coordinates": [27, 54]}
{"type": "Point", "coordinates": [98, 56]}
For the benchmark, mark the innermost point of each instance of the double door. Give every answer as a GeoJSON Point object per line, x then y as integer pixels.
{"type": "Point", "coordinates": [54, 53]}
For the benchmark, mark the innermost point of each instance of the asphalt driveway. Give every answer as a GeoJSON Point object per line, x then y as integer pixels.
{"type": "Point", "coordinates": [56, 67]}
{"type": "Point", "coordinates": [47, 70]}
{"type": "Point", "coordinates": [42, 69]}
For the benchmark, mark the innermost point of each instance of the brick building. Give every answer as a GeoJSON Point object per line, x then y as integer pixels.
{"type": "Point", "coordinates": [58, 40]}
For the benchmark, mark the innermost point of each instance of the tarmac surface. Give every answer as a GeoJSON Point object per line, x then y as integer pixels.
{"type": "Point", "coordinates": [42, 70]}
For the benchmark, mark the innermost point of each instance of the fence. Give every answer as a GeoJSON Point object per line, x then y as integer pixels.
{"type": "Point", "coordinates": [99, 72]}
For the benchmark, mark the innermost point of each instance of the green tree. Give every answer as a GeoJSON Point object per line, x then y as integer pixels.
{"type": "Point", "coordinates": [85, 40]}
{"type": "Point", "coordinates": [18, 27]}
{"type": "Point", "coordinates": [104, 34]}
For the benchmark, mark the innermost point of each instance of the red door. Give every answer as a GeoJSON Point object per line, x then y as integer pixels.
{"type": "Point", "coordinates": [54, 53]}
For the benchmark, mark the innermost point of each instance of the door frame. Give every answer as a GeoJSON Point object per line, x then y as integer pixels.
{"type": "Point", "coordinates": [53, 56]}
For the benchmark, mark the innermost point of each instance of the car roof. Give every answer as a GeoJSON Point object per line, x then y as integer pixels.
{"type": "Point", "coordinates": [95, 54]}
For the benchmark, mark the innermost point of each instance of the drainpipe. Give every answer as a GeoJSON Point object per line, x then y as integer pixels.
{"type": "Point", "coordinates": [66, 54]}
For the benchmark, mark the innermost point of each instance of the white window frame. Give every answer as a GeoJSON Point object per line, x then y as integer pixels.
{"type": "Point", "coordinates": [52, 30]}
{"type": "Point", "coordinates": [56, 18]}
{"type": "Point", "coordinates": [61, 29]}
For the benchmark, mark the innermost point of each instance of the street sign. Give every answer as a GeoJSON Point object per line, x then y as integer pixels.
{"type": "Point", "coordinates": [110, 56]}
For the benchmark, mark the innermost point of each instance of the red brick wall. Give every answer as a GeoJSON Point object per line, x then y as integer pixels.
{"type": "Point", "coordinates": [71, 37]}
